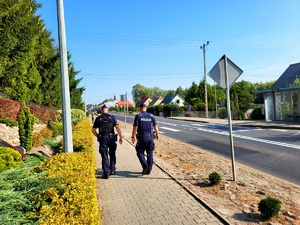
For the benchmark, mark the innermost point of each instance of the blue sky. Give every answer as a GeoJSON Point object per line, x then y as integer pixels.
{"type": "Point", "coordinates": [116, 44]}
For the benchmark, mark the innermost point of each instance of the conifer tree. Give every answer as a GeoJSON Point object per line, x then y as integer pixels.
{"type": "Point", "coordinates": [19, 27]}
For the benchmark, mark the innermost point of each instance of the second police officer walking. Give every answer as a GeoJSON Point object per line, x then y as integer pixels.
{"type": "Point", "coordinates": [143, 126]}
{"type": "Point", "coordinates": [105, 123]}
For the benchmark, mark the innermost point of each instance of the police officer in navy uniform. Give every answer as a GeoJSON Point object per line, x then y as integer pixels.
{"type": "Point", "coordinates": [143, 126]}
{"type": "Point", "coordinates": [107, 141]}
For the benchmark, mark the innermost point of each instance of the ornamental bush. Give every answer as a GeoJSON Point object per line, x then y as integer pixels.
{"type": "Point", "coordinates": [26, 123]}
{"type": "Point", "coordinates": [269, 207]}
{"type": "Point", "coordinates": [39, 137]}
{"type": "Point", "coordinates": [214, 178]}
{"type": "Point", "coordinates": [77, 116]}
{"type": "Point", "coordinates": [10, 109]}
{"type": "Point", "coordinates": [56, 127]}
{"type": "Point", "coordinates": [9, 158]}
{"type": "Point", "coordinates": [44, 114]}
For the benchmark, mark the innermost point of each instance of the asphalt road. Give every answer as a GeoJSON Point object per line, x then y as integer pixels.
{"type": "Point", "coordinates": [273, 151]}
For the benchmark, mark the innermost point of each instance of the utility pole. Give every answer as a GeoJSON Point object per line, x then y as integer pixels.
{"type": "Point", "coordinates": [203, 47]}
{"type": "Point", "coordinates": [66, 105]}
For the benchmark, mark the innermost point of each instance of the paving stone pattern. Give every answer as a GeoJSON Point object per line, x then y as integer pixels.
{"type": "Point", "coordinates": [130, 198]}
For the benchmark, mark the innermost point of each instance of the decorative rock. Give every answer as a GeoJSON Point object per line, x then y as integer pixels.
{"type": "Point", "coordinates": [260, 193]}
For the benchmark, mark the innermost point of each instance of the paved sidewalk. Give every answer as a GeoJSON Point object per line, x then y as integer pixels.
{"type": "Point", "coordinates": [130, 198]}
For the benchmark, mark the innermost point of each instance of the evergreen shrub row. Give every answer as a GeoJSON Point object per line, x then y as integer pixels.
{"type": "Point", "coordinates": [73, 201]}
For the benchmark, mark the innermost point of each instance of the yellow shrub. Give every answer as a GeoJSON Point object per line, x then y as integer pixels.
{"type": "Point", "coordinates": [74, 200]}
{"type": "Point", "coordinates": [9, 158]}
{"type": "Point", "coordinates": [83, 139]}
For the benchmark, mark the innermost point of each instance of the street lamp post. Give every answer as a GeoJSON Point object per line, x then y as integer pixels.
{"type": "Point", "coordinates": [66, 102]}
{"type": "Point", "coordinates": [203, 47]}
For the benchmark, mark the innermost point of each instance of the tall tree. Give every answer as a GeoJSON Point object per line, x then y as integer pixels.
{"type": "Point", "coordinates": [19, 27]}
{"type": "Point", "coordinates": [75, 91]}
{"type": "Point", "coordinates": [242, 95]}
{"type": "Point", "coordinates": [181, 92]}
{"type": "Point", "coordinates": [192, 93]}
{"type": "Point", "coordinates": [139, 92]}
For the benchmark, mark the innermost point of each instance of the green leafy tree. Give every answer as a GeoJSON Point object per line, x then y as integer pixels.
{"type": "Point", "coordinates": [242, 94]}
{"type": "Point", "coordinates": [259, 98]}
{"type": "Point", "coordinates": [181, 92]}
{"type": "Point", "coordinates": [192, 93]}
{"type": "Point", "coordinates": [139, 92]}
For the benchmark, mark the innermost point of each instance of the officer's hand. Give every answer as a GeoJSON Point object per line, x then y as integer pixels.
{"type": "Point", "coordinates": [133, 140]}
{"type": "Point", "coordinates": [156, 137]}
{"type": "Point", "coordinates": [120, 140]}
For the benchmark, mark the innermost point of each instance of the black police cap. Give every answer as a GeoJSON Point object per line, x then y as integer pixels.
{"type": "Point", "coordinates": [104, 107]}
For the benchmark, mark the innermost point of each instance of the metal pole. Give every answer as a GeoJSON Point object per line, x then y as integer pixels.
{"type": "Point", "coordinates": [126, 104]}
{"type": "Point", "coordinates": [229, 119]}
{"type": "Point", "coordinates": [216, 99]}
{"type": "Point", "coordinates": [66, 106]}
{"type": "Point", "coordinates": [203, 47]}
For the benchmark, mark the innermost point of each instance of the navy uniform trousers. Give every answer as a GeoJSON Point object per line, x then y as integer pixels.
{"type": "Point", "coordinates": [107, 150]}
{"type": "Point", "coordinates": [145, 144]}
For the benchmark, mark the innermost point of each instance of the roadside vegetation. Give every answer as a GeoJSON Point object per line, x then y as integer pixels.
{"type": "Point", "coordinates": [60, 189]}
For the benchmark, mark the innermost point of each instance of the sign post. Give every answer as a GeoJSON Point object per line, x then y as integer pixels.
{"type": "Point", "coordinates": [225, 73]}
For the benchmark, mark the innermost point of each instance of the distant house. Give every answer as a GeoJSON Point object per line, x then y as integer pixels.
{"type": "Point", "coordinates": [124, 103]}
{"type": "Point", "coordinates": [146, 100]}
{"type": "Point", "coordinates": [173, 99]}
{"type": "Point", "coordinates": [282, 101]}
{"type": "Point", "coordinates": [156, 101]}
{"type": "Point", "coordinates": [110, 104]}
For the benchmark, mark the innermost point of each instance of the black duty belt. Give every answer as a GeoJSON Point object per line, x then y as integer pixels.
{"type": "Point", "coordinates": [145, 135]}
{"type": "Point", "coordinates": [106, 134]}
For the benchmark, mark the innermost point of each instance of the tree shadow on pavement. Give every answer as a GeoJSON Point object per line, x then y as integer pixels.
{"type": "Point", "coordinates": [129, 174]}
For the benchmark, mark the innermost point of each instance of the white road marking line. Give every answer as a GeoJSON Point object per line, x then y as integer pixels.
{"type": "Point", "coordinates": [252, 138]}
{"type": "Point", "coordinates": [171, 129]}
{"type": "Point", "coordinates": [279, 130]}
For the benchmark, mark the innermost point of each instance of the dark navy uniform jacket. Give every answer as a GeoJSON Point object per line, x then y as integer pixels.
{"type": "Point", "coordinates": [113, 118]}
{"type": "Point", "coordinates": [145, 122]}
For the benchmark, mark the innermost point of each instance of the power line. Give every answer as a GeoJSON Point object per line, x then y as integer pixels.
{"type": "Point", "coordinates": [141, 40]}
{"type": "Point", "coordinates": [139, 74]}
